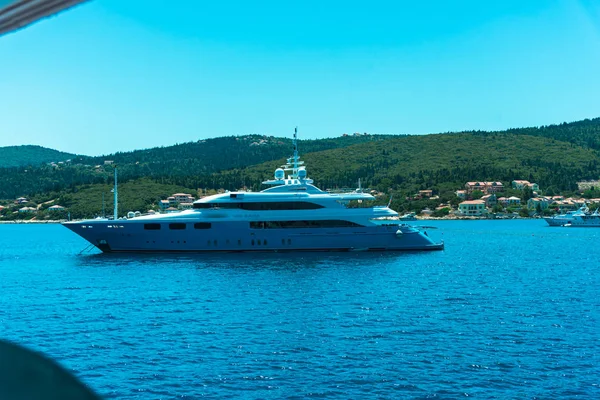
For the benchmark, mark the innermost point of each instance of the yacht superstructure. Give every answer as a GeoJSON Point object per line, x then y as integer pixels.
{"type": "Point", "coordinates": [291, 215]}
{"type": "Point", "coordinates": [585, 220]}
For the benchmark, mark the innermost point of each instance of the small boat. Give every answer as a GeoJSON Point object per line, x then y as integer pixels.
{"type": "Point", "coordinates": [567, 218]}
{"type": "Point", "coordinates": [408, 217]}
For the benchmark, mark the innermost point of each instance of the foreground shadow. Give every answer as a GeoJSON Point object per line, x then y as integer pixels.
{"type": "Point", "coordinates": [26, 374]}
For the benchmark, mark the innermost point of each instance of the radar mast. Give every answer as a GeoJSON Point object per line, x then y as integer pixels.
{"type": "Point", "coordinates": [293, 166]}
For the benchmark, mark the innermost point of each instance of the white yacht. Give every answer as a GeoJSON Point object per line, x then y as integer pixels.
{"type": "Point", "coordinates": [588, 220]}
{"type": "Point", "coordinates": [567, 218]}
{"type": "Point", "coordinates": [411, 216]}
{"type": "Point", "coordinates": [291, 215]}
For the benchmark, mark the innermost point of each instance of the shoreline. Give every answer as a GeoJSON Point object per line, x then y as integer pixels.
{"type": "Point", "coordinates": [22, 221]}
{"type": "Point", "coordinates": [420, 218]}
{"type": "Point", "coordinates": [469, 218]}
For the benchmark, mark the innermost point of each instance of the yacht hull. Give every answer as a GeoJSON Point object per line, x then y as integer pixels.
{"type": "Point", "coordinates": [557, 221]}
{"type": "Point", "coordinates": [131, 236]}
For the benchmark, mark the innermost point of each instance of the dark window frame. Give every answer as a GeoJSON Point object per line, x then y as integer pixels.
{"type": "Point", "coordinates": [262, 206]}
{"type": "Point", "coordinates": [152, 227]}
{"type": "Point", "coordinates": [202, 225]}
{"type": "Point", "coordinates": [296, 224]}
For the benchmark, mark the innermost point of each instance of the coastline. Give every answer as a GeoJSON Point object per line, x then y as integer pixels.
{"type": "Point", "coordinates": [466, 218]}
{"type": "Point", "coordinates": [419, 218]}
{"type": "Point", "coordinates": [22, 221]}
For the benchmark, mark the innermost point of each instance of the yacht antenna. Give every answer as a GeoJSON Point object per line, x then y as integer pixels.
{"type": "Point", "coordinates": [390, 202]}
{"type": "Point", "coordinates": [116, 210]}
{"type": "Point", "coordinates": [103, 212]}
{"type": "Point", "coordinates": [359, 187]}
{"type": "Point", "coordinates": [295, 142]}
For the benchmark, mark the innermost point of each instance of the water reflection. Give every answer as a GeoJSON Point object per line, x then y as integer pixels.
{"type": "Point", "coordinates": [271, 261]}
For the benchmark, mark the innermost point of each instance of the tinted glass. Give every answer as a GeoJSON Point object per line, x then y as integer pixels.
{"type": "Point", "coordinates": [202, 225]}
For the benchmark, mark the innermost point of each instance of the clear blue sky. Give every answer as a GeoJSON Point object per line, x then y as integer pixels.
{"type": "Point", "coordinates": [114, 75]}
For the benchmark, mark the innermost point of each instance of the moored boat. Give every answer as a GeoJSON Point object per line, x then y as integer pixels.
{"type": "Point", "coordinates": [563, 219]}
{"type": "Point", "coordinates": [408, 217]}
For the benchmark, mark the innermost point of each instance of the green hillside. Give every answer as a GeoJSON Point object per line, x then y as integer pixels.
{"type": "Point", "coordinates": [584, 133]}
{"type": "Point", "coordinates": [217, 154]}
{"type": "Point", "coordinates": [176, 164]}
{"type": "Point", "coordinates": [15, 156]}
{"type": "Point", "coordinates": [555, 157]}
{"type": "Point", "coordinates": [85, 201]}
{"type": "Point", "coordinates": [139, 195]}
{"type": "Point", "coordinates": [440, 161]}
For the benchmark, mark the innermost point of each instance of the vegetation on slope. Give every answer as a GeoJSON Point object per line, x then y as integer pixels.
{"type": "Point", "coordinates": [138, 195]}
{"type": "Point", "coordinates": [85, 201]}
{"type": "Point", "coordinates": [584, 133]}
{"type": "Point", "coordinates": [436, 161]}
{"type": "Point", "coordinates": [399, 164]}
{"type": "Point", "coordinates": [163, 164]}
{"type": "Point", "coordinates": [15, 156]}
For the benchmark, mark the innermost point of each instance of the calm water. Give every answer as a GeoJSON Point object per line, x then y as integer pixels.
{"type": "Point", "coordinates": [509, 310]}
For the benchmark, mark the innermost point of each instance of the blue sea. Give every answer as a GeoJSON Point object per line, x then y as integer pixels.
{"type": "Point", "coordinates": [510, 309]}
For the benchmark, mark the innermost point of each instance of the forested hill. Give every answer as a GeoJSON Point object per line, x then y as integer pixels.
{"type": "Point", "coordinates": [14, 156]}
{"type": "Point", "coordinates": [216, 154]}
{"type": "Point", "coordinates": [203, 157]}
{"type": "Point", "coordinates": [555, 156]}
{"type": "Point", "coordinates": [584, 133]}
{"type": "Point", "coordinates": [442, 162]}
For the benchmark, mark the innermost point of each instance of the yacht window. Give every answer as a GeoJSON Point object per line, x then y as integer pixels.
{"type": "Point", "coordinates": [151, 227]}
{"type": "Point", "coordinates": [217, 205]}
{"type": "Point", "coordinates": [329, 223]}
{"type": "Point", "coordinates": [202, 225]}
{"type": "Point", "coordinates": [286, 205]}
{"type": "Point", "coordinates": [177, 226]}
{"type": "Point", "coordinates": [262, 206]}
